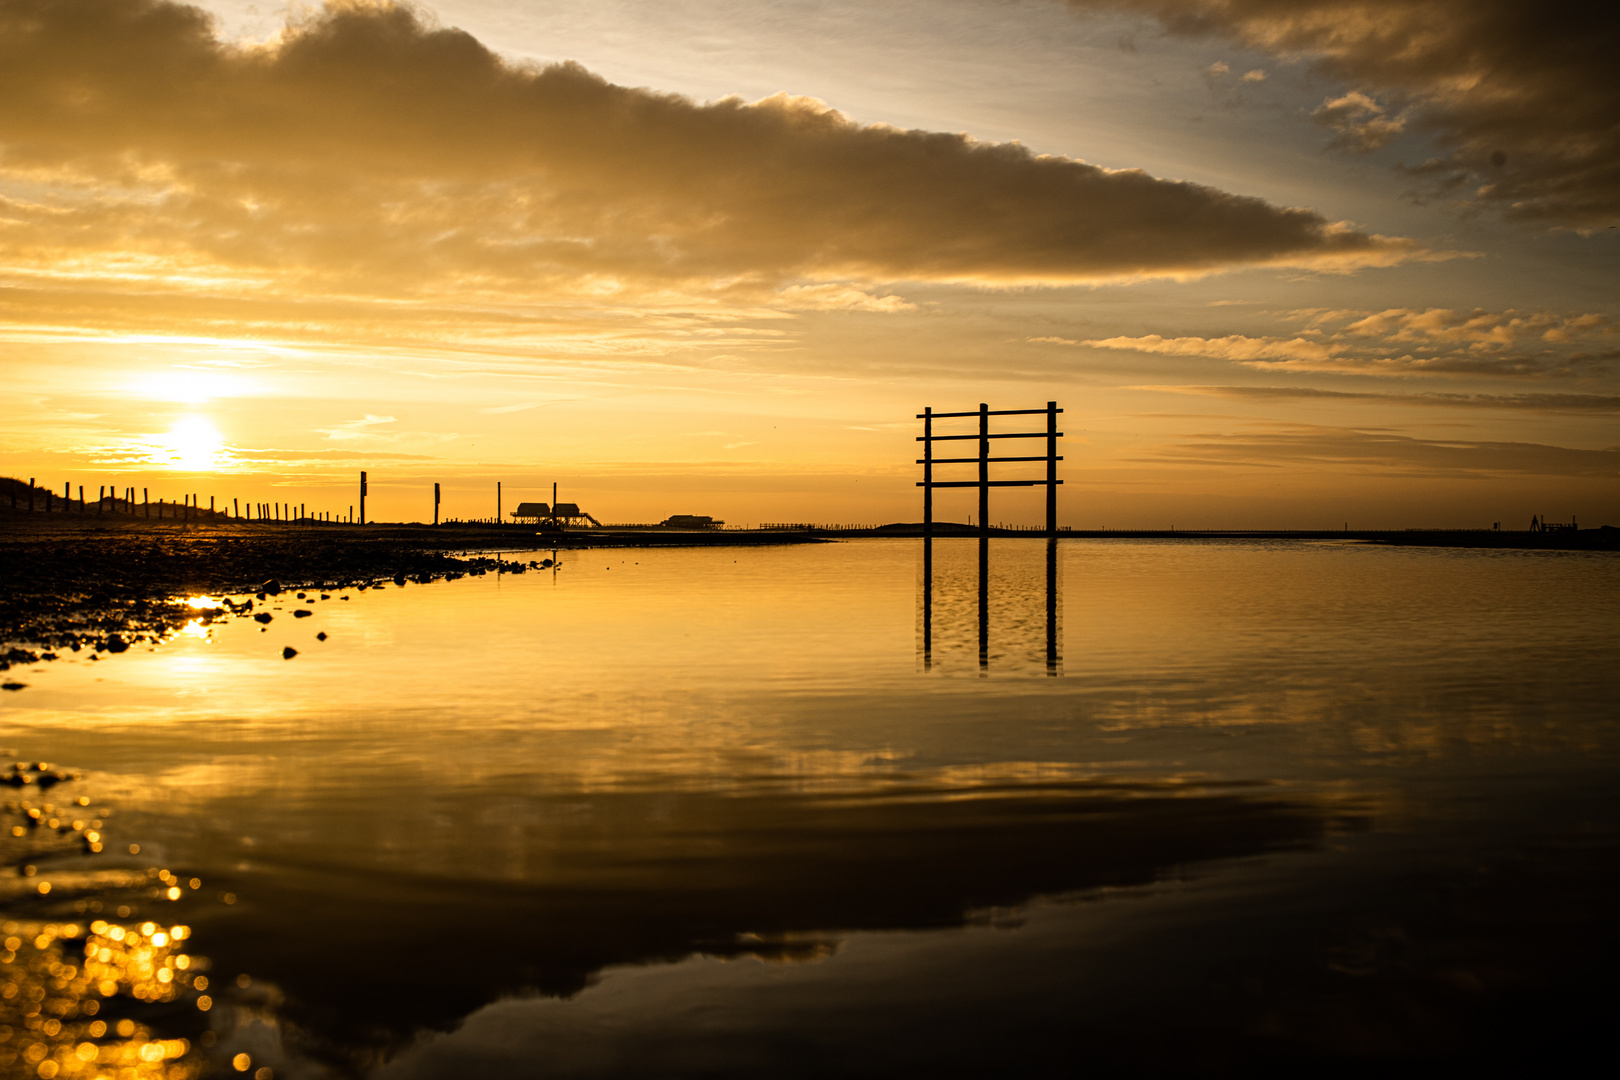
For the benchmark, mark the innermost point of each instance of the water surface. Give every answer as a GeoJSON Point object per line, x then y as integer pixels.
{"type": "Point", "coordinates": [716, 812]}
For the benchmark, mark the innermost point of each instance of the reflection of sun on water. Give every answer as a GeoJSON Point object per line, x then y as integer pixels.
{"type": "Point", "coordinates": [54, 978]}
{"type": "Point", "coordinates": [199, 628]}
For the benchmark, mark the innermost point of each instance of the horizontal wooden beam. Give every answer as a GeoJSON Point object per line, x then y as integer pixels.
{"type": "Point", "coordinates": [1008, 435]}
{"type": "Point", "coordinates": [988, 483]}
{"type": "Point", "coordinates": [975, 461]}
{"type": "Point", "coordinates": [990, 412]}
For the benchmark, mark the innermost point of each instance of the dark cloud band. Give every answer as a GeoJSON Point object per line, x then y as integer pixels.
{"type": "Point", "coordinates": [369, 151]}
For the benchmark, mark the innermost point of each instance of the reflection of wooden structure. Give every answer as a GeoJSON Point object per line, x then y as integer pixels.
{"type": "Point", "coordinates": [561, 515]}
{"type": "Point", "coordinates": [984, 461]}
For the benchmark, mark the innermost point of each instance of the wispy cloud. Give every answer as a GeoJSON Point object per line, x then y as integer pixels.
{"type": "Point", "coordinates": [834, 297]}
{"type": "Point", "coordinates": [1543, 403]}
{"type": "Point", "coordinates": [357, 429]}
{"type": "Point", "coordinates": [1405, 342]}
{"type": "Point", "coordinates": [1297, 446]}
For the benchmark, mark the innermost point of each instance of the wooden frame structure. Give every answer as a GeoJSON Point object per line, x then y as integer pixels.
{"type": "Point", "coordinates": [984, 461]}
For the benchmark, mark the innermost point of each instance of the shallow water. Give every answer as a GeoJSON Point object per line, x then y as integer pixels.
{"type": "Point", "coordinates": [718, 811]}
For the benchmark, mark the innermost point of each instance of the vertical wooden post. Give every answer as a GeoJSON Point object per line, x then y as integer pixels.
{"type": "Point", "coordinates": [1051, 469]}
{"type": "Point", "coordinates": [984, 469]}
{"type": "Point", "coordinates": [236, 507]}
{"type": "Point", "coordinates": [497, 502]}
{"type": "Point", "coordinates": [101, 499]}
{"type": "Point", "coordinates": [146, 501]}
{"type": "Point", "coordinates": [435, 504]}
{"type": "Point", "coordinates": [362, 499]}
{"type": "Point", "coordinates": [928, 473]}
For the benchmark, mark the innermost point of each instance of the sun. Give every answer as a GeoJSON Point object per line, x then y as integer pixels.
{"type": "Point", "coordinates": [193, 443]}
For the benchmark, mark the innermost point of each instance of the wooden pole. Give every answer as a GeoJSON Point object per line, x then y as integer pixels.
{"type": "Point", "coordinates": [146, 501]}
{"type": "Point", "coordinates": [362, 498]}
{"type": "Point", "coordinates": [1051, 469]}
{"type": "Point", "coordinates": [928, 476]}
{"type": "Point", "coordinates": [497, 502]}
{"type": "Point", "coordinates": [101, 499]}
{"type": "Point", "coordinates": [435, 504]}
{"type": "Point", "coordinates": [984, 469]}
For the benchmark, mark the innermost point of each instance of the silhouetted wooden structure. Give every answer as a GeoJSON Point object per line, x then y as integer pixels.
{"type": "Point", "coordinates": [562, 515]}
{"type": "Point", "coordinates": [984, 461]}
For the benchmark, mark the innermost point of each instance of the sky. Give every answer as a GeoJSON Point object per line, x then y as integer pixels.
{"type": "Point", "coordinates": [1283, 265]}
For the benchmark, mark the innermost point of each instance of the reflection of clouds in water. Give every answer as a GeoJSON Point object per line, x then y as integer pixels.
{"type": "Point", "coordinates": [607, 879]}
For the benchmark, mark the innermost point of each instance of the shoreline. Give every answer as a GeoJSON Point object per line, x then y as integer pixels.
{"type": "Point", "coordinates": [109, 581]}
{"type": "Point", "coordinates": [106, 584]}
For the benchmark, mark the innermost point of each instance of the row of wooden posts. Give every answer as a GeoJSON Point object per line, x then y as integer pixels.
{"type": "Point", "coordinates": [115, 500]}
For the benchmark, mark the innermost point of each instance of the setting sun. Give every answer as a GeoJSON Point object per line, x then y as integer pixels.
{"type": "Point", "coordinates": [193, 443]}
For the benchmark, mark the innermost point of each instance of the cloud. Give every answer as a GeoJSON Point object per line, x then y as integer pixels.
{"type": "Point", "coordinates": [1361, 122]}
{"type": "Point", "coordinates": [357, 429]}
{"type": "Point", "coordinates": [1231, 347]}
{"type": "Point", "coordinates": [834, 297]}
{"type": "Point", "coordinates": [1542, 403]}
{"type": "Point", "coordinates": [366, 153]}
{"type": "Point", "coordinates": [1406, 341]}
{"type": "Point", "coordinates": [1519, 97]}
{"type": "Point", "coordinates": [1296, 446]}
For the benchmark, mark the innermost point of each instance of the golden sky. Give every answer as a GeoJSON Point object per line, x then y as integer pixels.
{"type": "Point", "coordinates": [1283, 264]}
